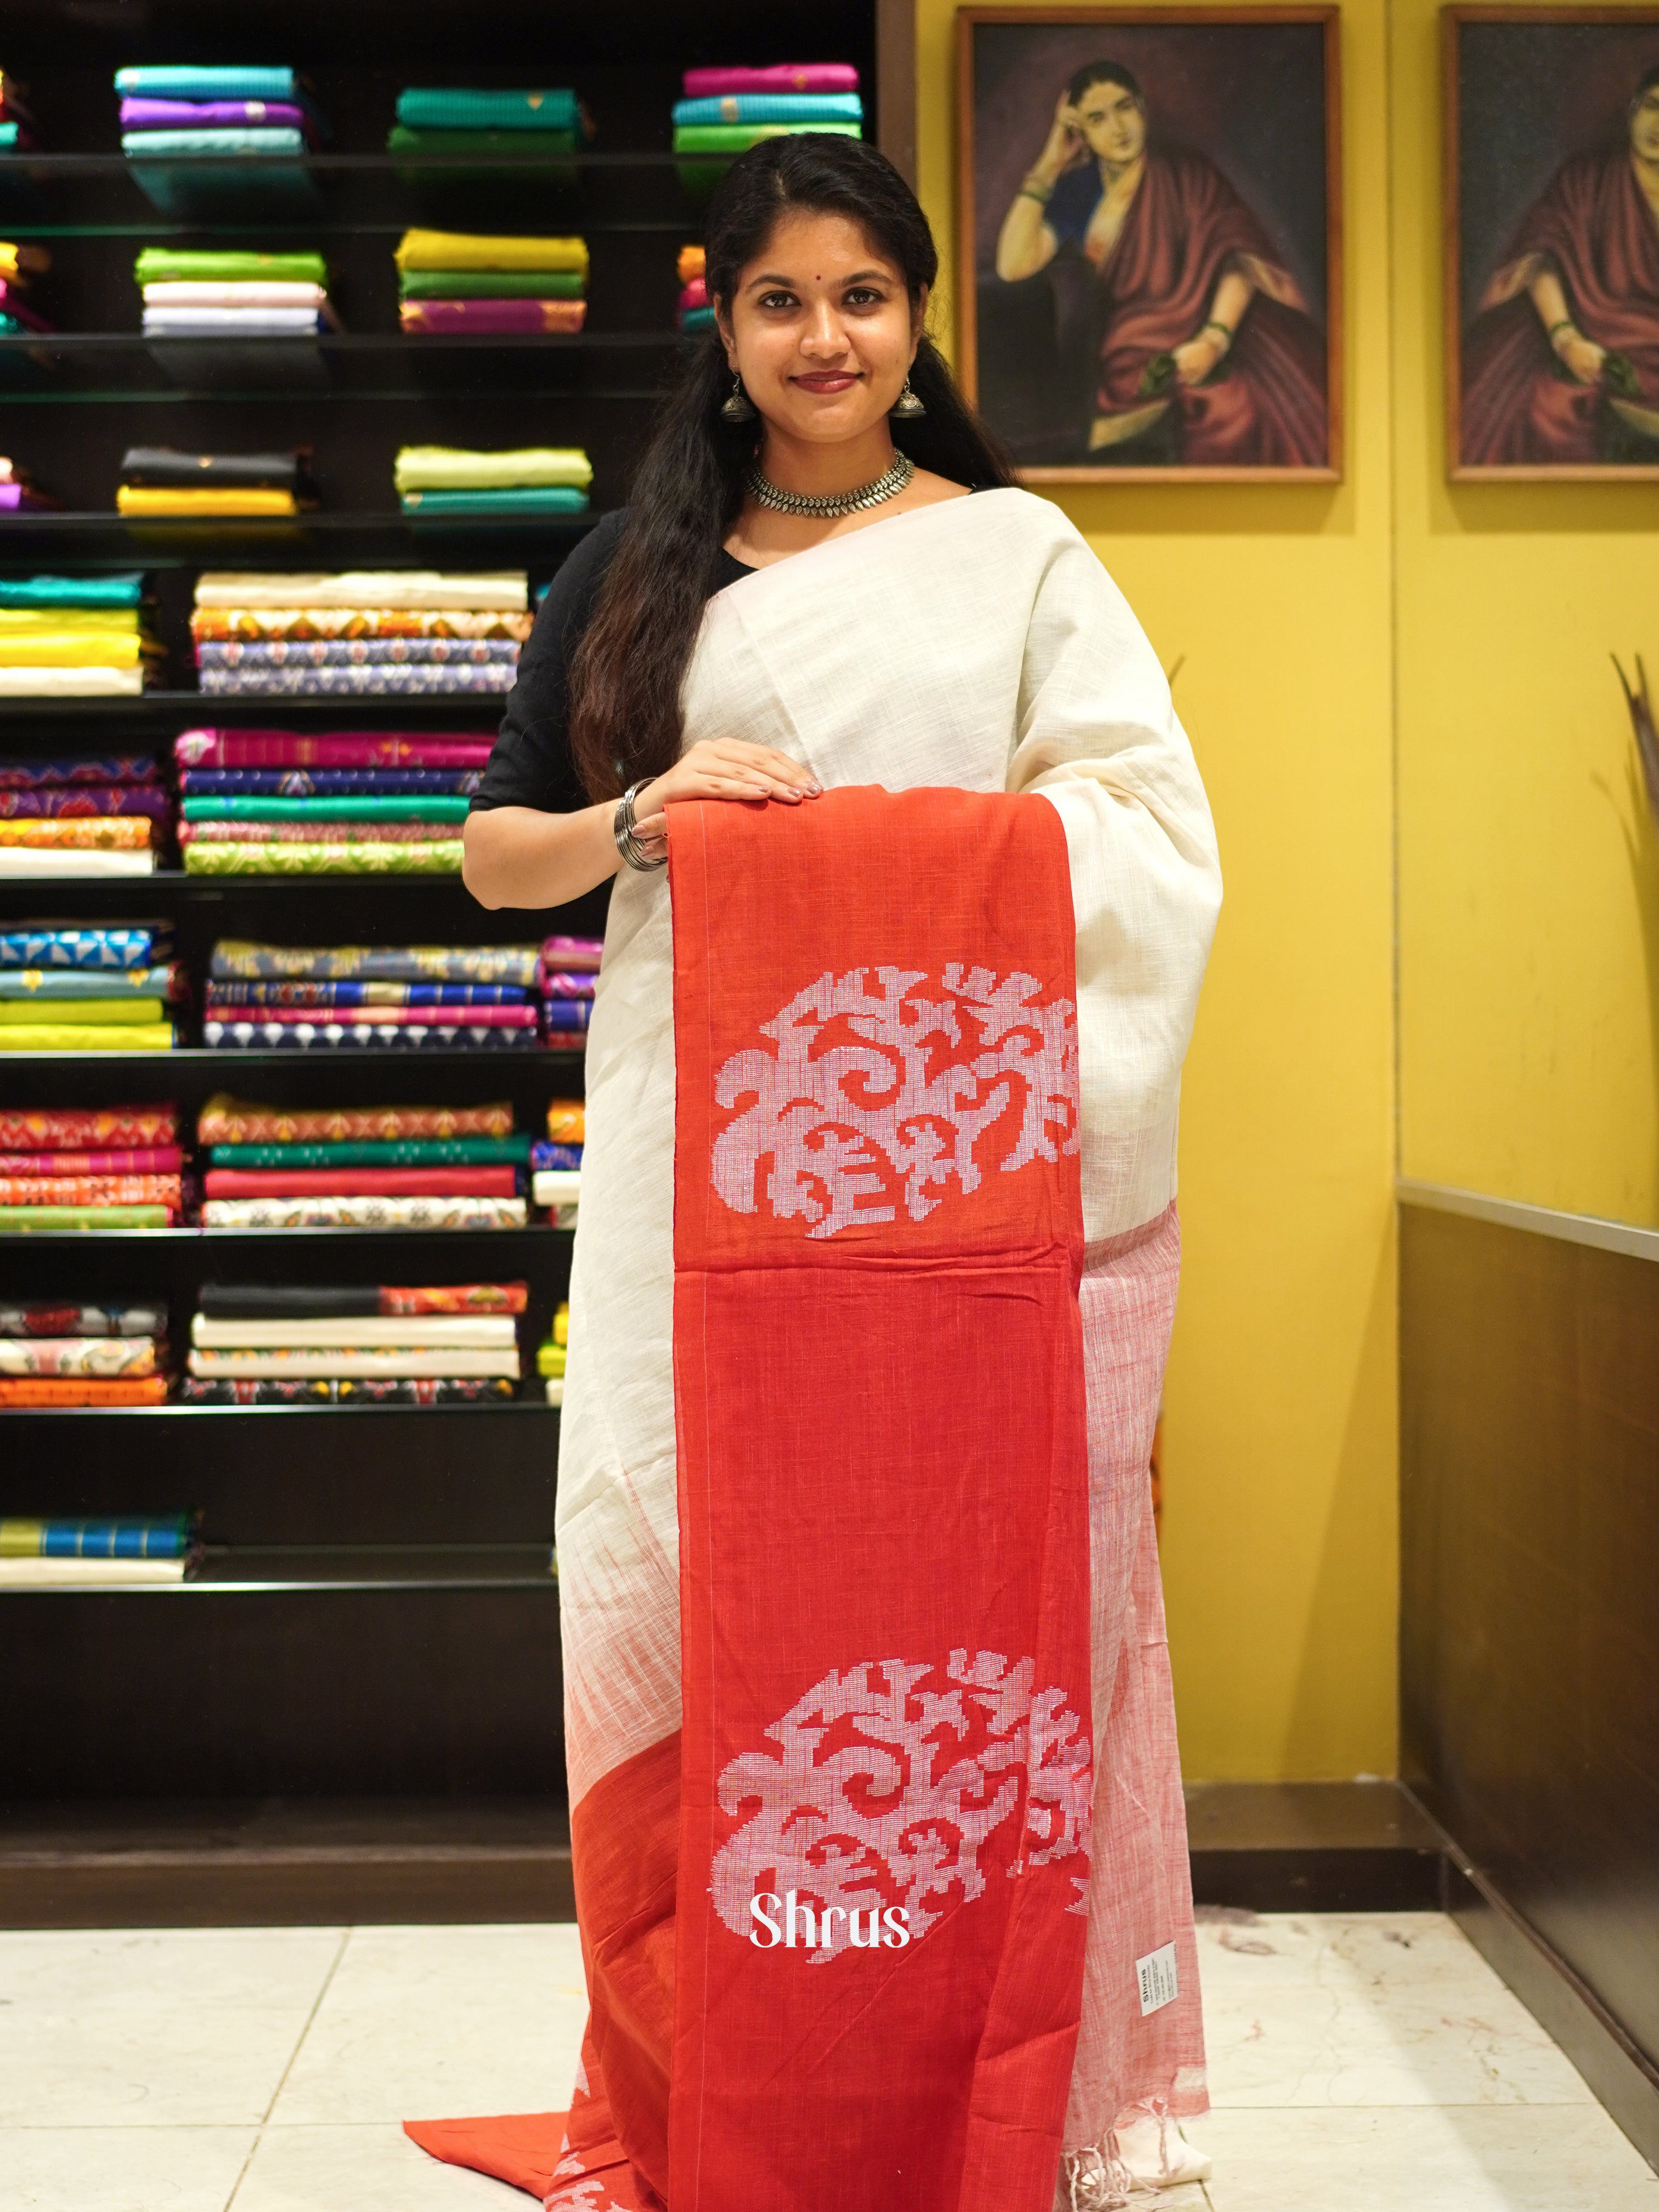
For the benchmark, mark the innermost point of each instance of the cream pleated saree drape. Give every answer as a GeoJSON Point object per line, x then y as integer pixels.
{"type": "Point", "coordinates": [977, 644]}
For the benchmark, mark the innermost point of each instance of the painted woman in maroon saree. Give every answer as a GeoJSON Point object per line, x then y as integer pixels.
{"type": "Point", "coordinates": [1205, 352]}
{"type": "Point", "coordinates": [1561, 365]}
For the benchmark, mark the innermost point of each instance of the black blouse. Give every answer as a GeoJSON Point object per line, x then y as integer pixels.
{"type": "Point", "coordinates": [530, 764]}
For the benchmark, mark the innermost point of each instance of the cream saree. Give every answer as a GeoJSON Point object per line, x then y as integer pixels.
{"type": "Point", "coordinates": [977, 644]}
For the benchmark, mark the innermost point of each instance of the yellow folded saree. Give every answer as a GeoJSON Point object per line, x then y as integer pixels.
{"type": "Point", "coordinates": [190, 499]}
{"type": "Point", "coordinates": [450, 468]}
{"type": "Point", "coordinates": [67, 648]}
{"type": "Point", "coordinates": [86, 1037]}
{"type": "Point", "coordinates": [453, 249]}
{"type": "Point", "coordinates": [82, 833]}
{"type": "Point", "coordinates": [98, 1013]}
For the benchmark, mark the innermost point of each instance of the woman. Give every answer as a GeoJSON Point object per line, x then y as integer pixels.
{"type": "Point", "coordinates": [1562, 365]}
{"type": "Point", "coordinates": [804, 595]}
{"type": "Point", "coordinates": [1205, 354]}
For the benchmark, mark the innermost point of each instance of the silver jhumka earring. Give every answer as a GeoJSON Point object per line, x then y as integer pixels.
{"type": "Point", "coordinates": [738, 407]}
{"type": "Point", "coordinates": [907, 406]}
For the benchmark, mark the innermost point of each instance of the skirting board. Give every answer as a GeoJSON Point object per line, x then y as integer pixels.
{"type": "Point", "coordinates": [1618, 2074]}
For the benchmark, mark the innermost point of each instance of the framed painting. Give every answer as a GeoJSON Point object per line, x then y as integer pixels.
{"type": "Point", "coordinates": [1552, 124]}
{"type": "Point", "coordinates": [1149, 280]}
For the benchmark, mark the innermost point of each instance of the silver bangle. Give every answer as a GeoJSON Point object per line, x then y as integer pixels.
{"type": "Point", "coordinates": [627, 836]}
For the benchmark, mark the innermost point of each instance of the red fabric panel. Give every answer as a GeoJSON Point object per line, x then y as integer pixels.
{"type": "Point", "coordinates": [360, 1183]}
{"type": "Point", "coordinates": [64, 1128]}
{"type": "Point", "coordinates": [624, 1835]}
{"type": "Point", "coordinates": [883, 1504]}
{"type": "Point", "coordinates": [521, 2149]}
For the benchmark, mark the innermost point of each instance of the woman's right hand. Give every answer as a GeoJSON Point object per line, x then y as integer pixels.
{"type": "Point", "coordinates": [1062, 146]}
{"type": "Point", "coordinates": [721, 767]}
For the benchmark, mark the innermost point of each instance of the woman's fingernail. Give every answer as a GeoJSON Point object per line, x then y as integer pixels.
{"type": "Point", "coordinates": [816, 790]}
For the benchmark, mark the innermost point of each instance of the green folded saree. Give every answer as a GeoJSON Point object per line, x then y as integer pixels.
{"type": "Point", "coordinates": [374, 1152]}
{"type": "Point", "coordinates": [545, 499]}
{"type": "Point", "coordinates": [326, 810]}
{"type": "Point", "coordinates": [441, 858]}
{"type": "Point", "coordinates": [83, 1217]}
{"type": "Point", "coordinates": [166, 265]}
{"type": "Point", "coordinates": [738, 137]}
{"type": "Point", "coordinates": [491, 284]}
{"type": "Point", "coordinates": [461, 108]}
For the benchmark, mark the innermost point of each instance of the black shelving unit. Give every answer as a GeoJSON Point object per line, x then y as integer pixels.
{"type": "Point", "coordinates": [375, 1616]}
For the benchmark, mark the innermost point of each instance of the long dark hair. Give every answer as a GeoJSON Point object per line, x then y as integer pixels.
{"type": "Point", "coordinates": [627, 671]}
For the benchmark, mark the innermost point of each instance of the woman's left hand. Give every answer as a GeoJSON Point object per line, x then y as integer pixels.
{"type": "Point", "coordinates": [1195, 360]}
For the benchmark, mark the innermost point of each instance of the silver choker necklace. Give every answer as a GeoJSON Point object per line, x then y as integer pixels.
{"type": "Point", "coordinates": [825, 505]}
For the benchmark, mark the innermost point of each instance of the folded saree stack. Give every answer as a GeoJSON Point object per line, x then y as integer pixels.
{"type": "Point", "coordinates": [19, 266]}
{"type": "Point", "coordinates": [694, 313]}
{"type": "Point", "coordinates": [725, 111]}
{"type": "Point", "coordinates": [94, 1554]}
{"type": "Point", "coordinates": [409, 998]}
{"type": "Point", "coordinates": [72, 1351]}
{"type": "Point", "coordinates": [517, 133]}
{"type": "Point", "coordinates": [104, 1167]}
{"type": "Point", "coordinates": [72, 637]}
{"type": "Point", "coordinates": [550, 1357]}
{"type": "Point", "coordinates": [195, 294]}
{"type": "Point", "coordinates": [18, 495]}
{"type": "Point", "coordinates": [200, 136]}
{"type": "Point", "coordinates": [157, 480]}
{"type": "Point", "coordinates": [556, 1164]}
{"type": "Point", "coordinates": [438, 1344]}
{"type": "Point", "coordinates": [456, 284]}
{"type": "Point", "coordinates": [443, 481]}
{"type": "Point", "coordinates": [17, 126]}
{"type": "Point", "coordinates": [566, 975]}
{"type": "Point", "coordinates": [270, 802]}
{"type": "Point", "coordinates": [81, 816]}
{"type": "Point", "coordinates": [402, 631]}
{"type": "Point", "coordinates": [89, 990]}
{"type": "Point", "coordinates": [381, 1166]}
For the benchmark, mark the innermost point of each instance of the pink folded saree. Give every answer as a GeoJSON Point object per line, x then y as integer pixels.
{"type": "Point", "coordinates": [783, 76]}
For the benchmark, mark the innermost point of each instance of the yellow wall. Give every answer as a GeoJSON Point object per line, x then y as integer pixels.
{"type": "Point", "coordinates": [1279, 1544]}
{"type": "Point", "coordinates": [1528, 870]}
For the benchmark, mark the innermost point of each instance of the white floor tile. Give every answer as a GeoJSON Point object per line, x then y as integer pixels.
{"type": "Point", "coordinates": [154, 2028]}
{"type": "Point", "coordinates": [440, 2023]}
{"type": "Point", "coordinates": [1367, 2008]}
{"type": "Point", "coordinates": [1482, 2158]}
{"type": "Point", "coordinates": [120, 2169]}
{"type": "Point", "coordinates": [363, 2169]}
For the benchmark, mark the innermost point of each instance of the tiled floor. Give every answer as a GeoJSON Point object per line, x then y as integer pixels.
{"type": "Point", "coordinates": [1371, 2063]}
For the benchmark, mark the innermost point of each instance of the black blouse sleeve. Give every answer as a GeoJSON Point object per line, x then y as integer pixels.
{"type": "Point", "coordinates": [530, 763]}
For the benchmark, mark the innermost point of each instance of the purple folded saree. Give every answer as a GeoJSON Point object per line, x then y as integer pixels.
{"type": "Point", "coordinates": [207, 114]}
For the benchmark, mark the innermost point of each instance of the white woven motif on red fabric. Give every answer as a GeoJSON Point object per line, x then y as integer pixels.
{"type": "Point", "coordinates": [888, 1787]}
{"type": "Point", "coordinates": [875, 1096]}
{"type": "Point", "coordinates": [590, 2196]}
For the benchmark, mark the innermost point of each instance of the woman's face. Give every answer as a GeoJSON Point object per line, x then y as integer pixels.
{"type": "Point", "coordinates": [821, 329]}
{"type": "Point", "coordinates": [1644, 125]}
{"type": "Point", "coordinates": [1111, 118]}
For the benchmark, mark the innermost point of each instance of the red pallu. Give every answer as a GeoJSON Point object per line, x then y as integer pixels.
{"type": "Point", "coordinates": [884, 1541]}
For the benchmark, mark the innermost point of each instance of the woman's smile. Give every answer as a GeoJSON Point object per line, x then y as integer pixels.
{"type": "Point", "coordinates": [826, 380]}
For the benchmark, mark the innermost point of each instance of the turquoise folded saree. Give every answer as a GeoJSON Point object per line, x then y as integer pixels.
{"type": "Point", "coordinates": [324, 810]}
